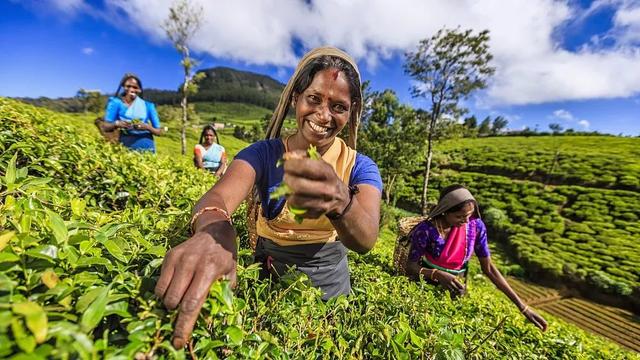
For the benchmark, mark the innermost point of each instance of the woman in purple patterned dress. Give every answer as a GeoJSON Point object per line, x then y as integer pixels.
{"type": "Point", "coordinates": [441, 247]}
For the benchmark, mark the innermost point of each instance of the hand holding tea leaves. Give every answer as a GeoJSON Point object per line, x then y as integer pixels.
{"type": "Point", "coordinates": [312, 187]}
{"type": "Point", "coordinates": [284, 189]}
{"type": "Point", "coordinates": [123, 124]}
{"type": "Point", "coordinates": [138, 124]}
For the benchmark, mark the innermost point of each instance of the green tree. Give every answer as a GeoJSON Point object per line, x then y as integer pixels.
{"type": "Point", "coordinates": [485, 127]}
{"type": "Point", "coordinates": [471, 122]}
{"type": "Point", "coordinates": [392, 135]}
{"type": "Point", "coordinates": [499, 124]}
{"type": "Point", "coordinates": [470, 125]}
{"type": "Point", "coordinates": [91, 100]}
{"type": "Point", "coordinates": [555, 127]}
{"type": "Point", "coordinates": [183, 22]}
{"type": "Point", "coordinates": [447, 67]}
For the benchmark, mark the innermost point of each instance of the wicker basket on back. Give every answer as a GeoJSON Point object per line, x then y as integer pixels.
{"type": "Point", "coordinates": [112, 136]}
{"type": "Point", "coordinates": [401, 252]}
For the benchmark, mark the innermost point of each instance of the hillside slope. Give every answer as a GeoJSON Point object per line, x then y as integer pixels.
{"type": "Point", "coordinates": [227, 85]}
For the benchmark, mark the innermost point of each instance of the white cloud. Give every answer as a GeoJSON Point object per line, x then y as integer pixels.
{"type": "Point", "coordinates": [627, 23]}
{"type": "Point", "coordinates": [563, 115]}
{"type": "Point", "coordinates": [531, 66]}
{"type": "Point", "coordinates": [568, 117]}
{"type": "Point", "coordinates": [88, 50]}
{"type": "Point", "coordinates": [69, 6]}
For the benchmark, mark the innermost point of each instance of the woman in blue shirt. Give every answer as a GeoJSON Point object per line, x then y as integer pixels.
{"type": "Point", "coordinates": [136, 118]}
{"type": "Point", "coordinates": [208, 154]}
{"type": "Point", "coordinates": [339, 192]}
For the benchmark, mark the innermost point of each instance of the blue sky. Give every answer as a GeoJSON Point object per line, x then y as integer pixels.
{"type": "Point", "coordinates": [576, 63]}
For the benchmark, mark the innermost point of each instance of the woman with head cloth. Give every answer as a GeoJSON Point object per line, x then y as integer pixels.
{"type": "Point", "coordinates": [340, 194]}
{"type": "Point", "coordinates": [136, 118]}
{"type": "Point", "coordinates": [208, 154]}
{"type": "Point", "coordinates": [441, 247]}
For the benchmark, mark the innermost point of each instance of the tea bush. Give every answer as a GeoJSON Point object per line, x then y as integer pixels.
{"type": "Point", "coordinates": [79, 260]}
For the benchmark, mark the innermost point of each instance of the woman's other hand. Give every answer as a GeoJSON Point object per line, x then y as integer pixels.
{"type": "Point", "coordinates": [143, 126]}
{"type": "Point", "coordinates": [315, 187]}
{"type": "Point", "coordinates": [450, 282]}
{"type": "Point", "coordinates": [535, 318]}
{"type": "Point", "coordinates": [189, 269]}
{"type": "Point", "coordinates": [122, 124]}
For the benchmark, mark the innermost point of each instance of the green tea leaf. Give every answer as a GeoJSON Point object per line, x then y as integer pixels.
{"type": "Point", "coordinates": [280, 191]}
{"type": "Point", "coordinates": [313, 153]}
{"type": "Point", "coordinates": [5, 320]}
{"type": "Point", "coordinates": [57, 226]}
{"type": "Point", "coordinates": [25, 223]}
{"type": "Point", "coordinates": [78, 206]}
{"type": "Point", "coordinates": [297, 211]}
{"type": "Point", "coordinates": [95, 312]}
{"type": "Point", "coordinates": [5, 237]}
{"type": "Point", "coordinates": [235, 334]}
{"type": "Point", "coordinates": [49, 278]}
{"type": "Point", "coordinates": [85, 300]}
{"type": "Point", "coordinates": [8, 257]}
{"type": "Point", "coordinates": [114, 249]}
{"type": "Point", "coordinates": [90, 261]}
{"type": "Point", "coordinates": [119, 308]}
{"type": "Point", "coordinates": [10, 175]}
{"type": "Point", "coordinates": [25, 341]}
{"type": "Point", "coordinates": [35, 317]}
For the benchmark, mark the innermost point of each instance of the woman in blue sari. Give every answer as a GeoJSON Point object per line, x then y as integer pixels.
{"type": "Point", "coordinates": [208, 154]}
{"type": "Point", "coordinates": [136, 118]}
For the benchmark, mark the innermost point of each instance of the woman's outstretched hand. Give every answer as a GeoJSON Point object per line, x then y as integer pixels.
{"type": "Point", "coordinates": [450, 282]}
{"type": "Point", "coordinates": [189, 269]}
{"type": "Point", "coordinates": [536, 319]}
{"type": "Point", "coordinates": [315, 187]}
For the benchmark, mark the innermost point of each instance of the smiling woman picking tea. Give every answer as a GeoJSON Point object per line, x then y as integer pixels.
{"type": "Point", "coordinates": [339, 195]}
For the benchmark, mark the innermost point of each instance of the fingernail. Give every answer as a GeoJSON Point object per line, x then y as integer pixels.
{"type": "Point", "coordinates": [178, 343]}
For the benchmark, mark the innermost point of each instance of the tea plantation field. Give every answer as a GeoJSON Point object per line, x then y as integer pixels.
{"type": "Point", "coordinates": [594, 161]}
{"type": "Point", "coordinates": [84, 227]}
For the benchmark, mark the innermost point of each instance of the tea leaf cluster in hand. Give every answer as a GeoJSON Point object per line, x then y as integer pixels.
{"type": "Point", "coordinates": [284, 189]}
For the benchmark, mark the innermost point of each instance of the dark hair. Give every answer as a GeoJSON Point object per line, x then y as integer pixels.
{"type": "Point", "coordinates": [204, 130]}
{"type": "Point", "coordinates": [328, 62]}
{"type": "Point", "coordinates": [126, 77]}
{"type": "Point", "coordinates": [458, 207]}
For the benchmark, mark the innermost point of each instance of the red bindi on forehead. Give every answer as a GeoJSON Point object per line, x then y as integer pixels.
{"type": "Point", "coordinates": [335, 73]}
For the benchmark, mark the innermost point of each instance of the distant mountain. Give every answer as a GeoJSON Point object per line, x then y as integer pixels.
{"type": "Point", "coordinates": [227, 85]}
{"type": "Point", "coordinates": [221, 84]}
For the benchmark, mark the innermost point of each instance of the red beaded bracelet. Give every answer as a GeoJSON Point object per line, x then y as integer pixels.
{"type": "Point", "coordinates": [209, 208]}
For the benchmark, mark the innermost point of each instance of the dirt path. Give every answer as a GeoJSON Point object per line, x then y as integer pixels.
{"type": "Point", "coordinates": [612, 323]}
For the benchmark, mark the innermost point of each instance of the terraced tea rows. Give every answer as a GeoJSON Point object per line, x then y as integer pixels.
{"type": "Point", "coordinates": [594, 161]}
{"type": "Point", "coordinates": [615, 324]}
{"type": "Point", "coordinates": [618, 325]}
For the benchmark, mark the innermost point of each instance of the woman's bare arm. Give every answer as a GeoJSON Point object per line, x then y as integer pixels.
{"type": "Point", "coordinates": [492, 272]}
{"type": "Point", "coordinates": [189, 269]}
